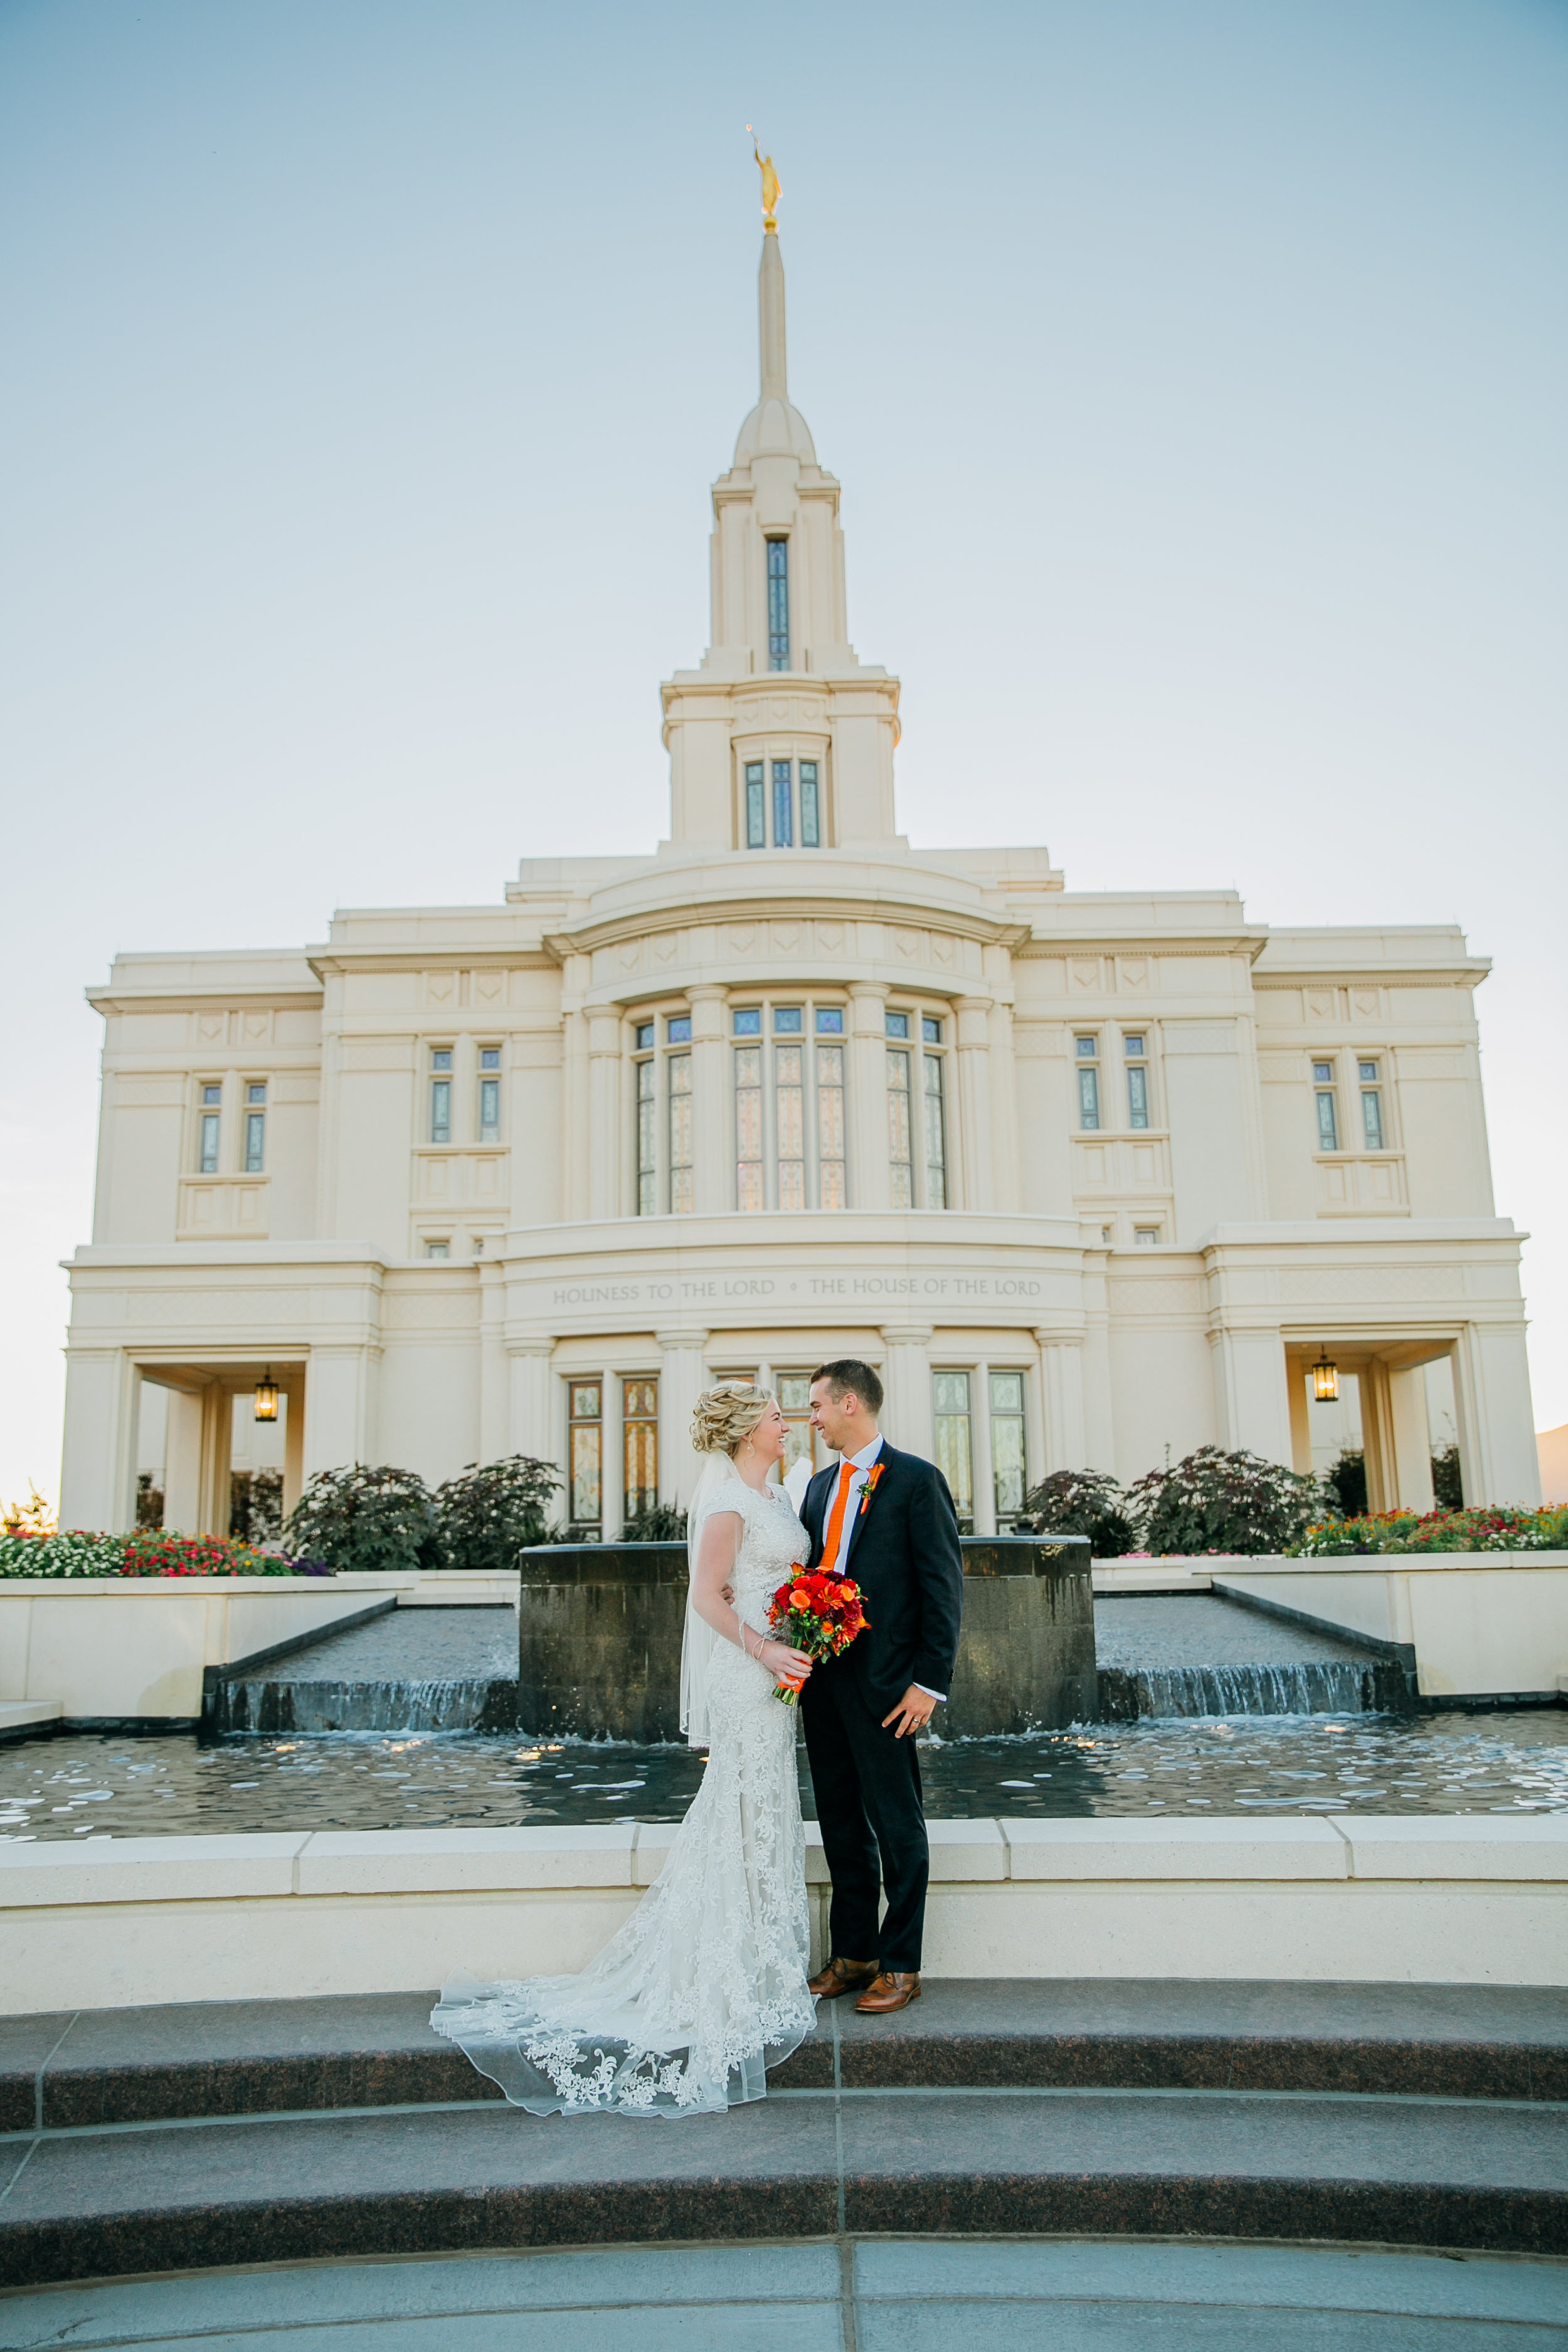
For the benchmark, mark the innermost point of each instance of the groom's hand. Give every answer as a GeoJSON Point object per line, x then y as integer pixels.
{"type": "Point", "coordinates": [913, 1713]}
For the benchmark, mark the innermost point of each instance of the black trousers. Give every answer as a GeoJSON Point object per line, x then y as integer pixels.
{"type": "Point", "coordinates": [867, 1786]}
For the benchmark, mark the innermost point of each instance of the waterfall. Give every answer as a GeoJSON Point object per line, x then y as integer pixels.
{"type": "Point", "coordinates": [447, 1703]}
{"type": "Point", "coordinates": [1311, 1686]}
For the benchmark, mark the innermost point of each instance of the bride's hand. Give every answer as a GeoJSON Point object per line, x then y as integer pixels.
{"type": "Point", "coordinates": [785, 1665]}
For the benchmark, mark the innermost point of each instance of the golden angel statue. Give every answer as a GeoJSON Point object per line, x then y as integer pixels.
{"type": "Point", "coordinates": [771, 190]}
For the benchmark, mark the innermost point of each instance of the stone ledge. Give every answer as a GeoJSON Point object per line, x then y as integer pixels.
{"type": "Point", "coordinates": [1431, 1847]}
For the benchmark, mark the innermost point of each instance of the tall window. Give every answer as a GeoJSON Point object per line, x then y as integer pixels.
{"type": "Point", "coordinates": [1328, 1109]}
{"type": "Point", "coordinates": [1087, 1050]}
{"type": "Point", "coordinates": [900, 1122]}
{"type": "Point", "coordinates": [916, 1110]}
{"type": "Point", "coordinates": [954, 1452]}
{"type": "Point", "coordinates": [678, 1068]}
{"type": "Point", "coordinates": [778, 604]}
{"type": "Point", "coordinates": [639, 1445]}
{"type": "Point", "coordinates": [1007, 1472]}
{"type": "Point", "coordinates": [1136, 1050]}
{"type": "Point", "coordinates": [747, 1024]}
{"type": "Point", "coordinates": [211, 1127]}
{"type": "Point", "coordinates": [254, 1126]}
{"type": "Point", "coordinates": [1370, 1105]}
{"type": "Point", "coordinates": [794, 1404]}
{"type": "Point", "coordinates": [832, 1188]}
{"type": "Point", "coordinates": [585, 1453]}
{"type": "Point", "coordinates": [789, 1104]}
{"type": "Point", "coordinates": [490, 1093]}
{"type": "Point", "coordinates": [784, 804]}
{"type": "Point", "coordinates": [756, 814]}
{"type": "Point", "coordinates": [790, 1122]}
{"type": "Point", "coordinates": [646, 1070]}
{"type": "Point", "coordinates": [935, 1122]}
{"type": "Point", "coordinates": [810, 806]}
{"type": "Point", "coordinates": [441, 1095]}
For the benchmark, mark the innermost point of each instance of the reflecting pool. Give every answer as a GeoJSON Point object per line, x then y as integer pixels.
{"type": "Point", "coordinates": [100, 1786]}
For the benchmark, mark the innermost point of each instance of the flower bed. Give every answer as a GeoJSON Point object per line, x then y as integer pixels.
{"type": "Point", "coordinates": [143, 1552]}
{"type": "Point", "coordinates": [1487, 1529]}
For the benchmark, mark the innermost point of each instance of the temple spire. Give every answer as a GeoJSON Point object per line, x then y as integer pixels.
{"type": "Point", "coordinates": [771, 317]}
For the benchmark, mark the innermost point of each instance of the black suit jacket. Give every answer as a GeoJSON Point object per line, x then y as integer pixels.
{"type": "Point", "coordinates": [904, 1555]}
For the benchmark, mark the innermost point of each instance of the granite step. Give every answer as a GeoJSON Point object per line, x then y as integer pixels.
{"type": "Point", "coordinates": [1463, 2175]}
{"type": "Point", "coordinates": [212, 2059]}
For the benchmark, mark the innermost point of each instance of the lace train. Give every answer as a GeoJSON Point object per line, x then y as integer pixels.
{"type": "Point", "coordinates": [704, 1986]}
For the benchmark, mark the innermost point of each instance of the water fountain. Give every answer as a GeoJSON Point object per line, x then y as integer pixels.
{"type": "Point", "coordinates": [423, 1669]}
{"type": "Point", "coordinates": [1196, 1655]}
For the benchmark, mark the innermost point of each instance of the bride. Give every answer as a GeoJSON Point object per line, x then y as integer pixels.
{"type": "Point", "coordinates": [704, 1986]}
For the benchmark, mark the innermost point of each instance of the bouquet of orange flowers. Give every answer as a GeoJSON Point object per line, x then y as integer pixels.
{"type": "Point", "coordinates": [816, 1614]}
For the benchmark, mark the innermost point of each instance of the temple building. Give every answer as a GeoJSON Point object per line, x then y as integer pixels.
{"type": "Point", "coordinates": [1093, 1178]}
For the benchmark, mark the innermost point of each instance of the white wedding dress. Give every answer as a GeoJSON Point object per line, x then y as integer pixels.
{"type": "Point", "coordinates": [705, 1986]}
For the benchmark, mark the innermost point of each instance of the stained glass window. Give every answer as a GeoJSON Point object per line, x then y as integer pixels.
{"type": "Point", "coordinates": [954, 1453]}
{"type": "Point", "coordinates": [810, 807]}
{"type": "Point", "coordinates": [441, 1110]}
{"type": "Point", "coordinates": [900, 1128]}
{"type": "Point", "coordinates": [648, 1171]}
{"type": "Point", "coordinates": [789, 1020]}
{"type": "Point", "coordinates": [489, 1110]}
{"type": "Point", "coordinates": [209, 1136]}
{"type": "Point", "coordinates": [789, 1118]}
{"type": "Point", "coordinates": [1007, 1471]}
{"type": "Point", "coordinates": [678, 1031]}
{"type": "Point", "coordinates": [778, 604]}
{"type": "Point", "coordinates": [1086, 1048]}
{"type": "Point", "coordinates": [585, 1453]}
{"type": "Point", "coordinates": [255, 1140]}
{"type": "Point", "coordinates": [897, 1025]}
{"type": "Point", "coordinates": [784, 805]}
{"type": "Point", "coordinates": [639, 1445]}
{"type": "Point", "coordinates": [756, 836]}
{"type": "Point", "coordinates": [935, 1132]}
{"type": "Point", "coordinates": [747, 1020]}
{"type": "Point", "coordinates": [748, 1124]}
{"type": "Point", "coordinates": [1371, 1106]}
{"type": "Point", "coordinates": [678, 1067]}
{"type": "Point", "coordinates": [832, 1188]}
{"type": "Point", "coordinates": [1327, 1109]}
{"type": "Point", "coordinates": [830, 1021]}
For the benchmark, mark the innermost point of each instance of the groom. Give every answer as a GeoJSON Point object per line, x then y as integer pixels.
{"type": "Point", "coordinates": [885, 1519]}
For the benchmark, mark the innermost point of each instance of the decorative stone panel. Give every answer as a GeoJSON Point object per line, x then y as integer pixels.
{"type": "Point", "coordinates": [1372, 1186]}
{"type": "Point", "coordinates": [222, 1208]}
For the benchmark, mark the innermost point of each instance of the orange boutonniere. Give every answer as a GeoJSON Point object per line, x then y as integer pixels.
{"type": "Point", "coordinates": [872, 1475]}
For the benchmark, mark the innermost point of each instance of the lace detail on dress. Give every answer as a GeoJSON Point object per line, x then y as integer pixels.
{"type": "Point", "coordinates": [704, 1986]}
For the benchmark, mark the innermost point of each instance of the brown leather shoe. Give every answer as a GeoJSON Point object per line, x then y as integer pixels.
{"type": "Point", "coordinates": [894, 1988]}
{"type": "Point", "coordinates": [842, 1976]}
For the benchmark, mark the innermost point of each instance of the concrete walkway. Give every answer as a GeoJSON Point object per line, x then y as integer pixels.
{"type": "Point", "coordinates": [844, 2295]}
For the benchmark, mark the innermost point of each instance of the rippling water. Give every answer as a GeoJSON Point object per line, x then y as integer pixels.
{"type": "Point", "coordinates": [169, 1787]}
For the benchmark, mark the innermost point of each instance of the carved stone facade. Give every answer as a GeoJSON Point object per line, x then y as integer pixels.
{"type": "Point", "coordinates": [1088, 1177]}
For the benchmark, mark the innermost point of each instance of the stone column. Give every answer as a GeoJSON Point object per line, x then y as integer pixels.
{"type": "Point", "coordinates": [183, 1462]}
{"type": "Point", "coordinates": [976, 1143]}
{"type": "Point", "coordinates": [576, 975]}
{"type": "Point", "coordinates": [1251, 1405]}
{"type": "Point", "coordinates": [1412, 1437]}
{"type": "Point", "coordinates": [97, 1483]}
{"type": "Point", "coordinates": [605, 1171]}
{"type": "Point", "coordinates": [683, 1353]}
{"type": "Point", "coordinates": [217, 1450]}
{"type": "Point", "coordinates": [908, 1410]}
{"type": "Point", "coordinates": [869, 1184]}
{"type": "Point", "coordinates": [494, 1399]}
{"type": "Point", "coordinates": [532, 1419]}
{"type": "Point", "coordinates": [1061, 1392]}
{"type": "Point", "coordinates": [1300, 1418]}
{"type": "Point", "coordinates": [713, 1171]}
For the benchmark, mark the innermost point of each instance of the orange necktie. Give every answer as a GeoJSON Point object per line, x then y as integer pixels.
{"type": "Point", "coordinates": [836, 1520]}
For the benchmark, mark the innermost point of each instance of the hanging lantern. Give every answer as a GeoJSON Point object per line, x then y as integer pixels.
{"type": "Point", "coordinates": [267, 1397]}
{"type": "Point", "coordinates": [1325, 1379]}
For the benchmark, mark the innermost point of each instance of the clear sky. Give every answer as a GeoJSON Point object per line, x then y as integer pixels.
{"type": "Point", "coordinates": [1196, 371]}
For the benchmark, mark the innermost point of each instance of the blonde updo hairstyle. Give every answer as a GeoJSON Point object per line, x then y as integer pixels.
{"type": "Point", "coordinates": [726, 1416]}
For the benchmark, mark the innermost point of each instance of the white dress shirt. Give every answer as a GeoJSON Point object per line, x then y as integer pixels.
{"type": "Point", "coordinates": [862, 1470]}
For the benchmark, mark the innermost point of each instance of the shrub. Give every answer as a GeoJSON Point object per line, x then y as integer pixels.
{"type": "Point", "coordinates": [363, 1521]}
{"type": "Point", "coordinates": [1214, 1501]}
{"type": "Point", "coordinates": [254, 1505]}
{"type": "Point", "coordinates": [1517, 1529]}
{"type": "Point", "coordinates": [484, 1516]}
{"type": "Point", "coordinates": [1346, 1483]}
{"type": "Point", "coordinates": [1080, 1503]}
{"type": "Point", "coordinates": [1447, 1485]}
{"type": "Point", "coordinates": [659, 1523]}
